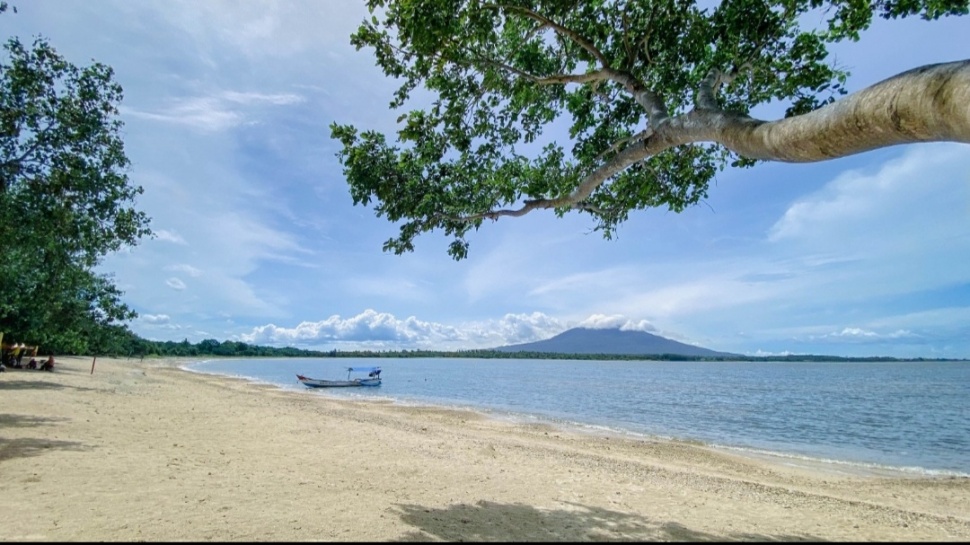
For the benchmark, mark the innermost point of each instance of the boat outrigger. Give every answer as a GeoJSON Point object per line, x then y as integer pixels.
{"type": "Point", "coordinates": [373, 379]}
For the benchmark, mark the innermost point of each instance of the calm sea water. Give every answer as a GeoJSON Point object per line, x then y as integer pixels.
{"type": "Point", "coordinates": [909, 416]}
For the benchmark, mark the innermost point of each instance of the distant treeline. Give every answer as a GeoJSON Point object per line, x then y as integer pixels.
{"type": "Point", "coordinates": [133, 346]}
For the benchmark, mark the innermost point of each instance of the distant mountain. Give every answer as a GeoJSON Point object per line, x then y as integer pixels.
{"type": "Point", "coordinates": [611, 341]}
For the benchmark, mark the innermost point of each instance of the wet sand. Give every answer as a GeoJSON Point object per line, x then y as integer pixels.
{"type": "Point", "coordinates": [147, 451]}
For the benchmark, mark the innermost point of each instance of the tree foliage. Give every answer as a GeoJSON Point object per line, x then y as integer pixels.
{"type": "Point", "coordinates": [656, 94]}
{"type": "Point", "coordinates": [65, 199]}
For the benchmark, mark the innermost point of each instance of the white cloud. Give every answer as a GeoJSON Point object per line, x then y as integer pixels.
{"type": "Point", "coordinates": [369, 325]}
{"type": "Point", "coordinates": [169, 236]}
{"type": "Point", "coordinates": [187, 269]}
{"type": "Point", "coordinates": [154, 318]}
{"type": "Point", "coordinates": [638, 325]}
{"type": "Point", "coordinates": [922, 195]}
{"type": "Point", "coordinates": [216, 112]}
{"type": "Point", "coordinates": [264, 28]}
{"type": "Point", "coordinates": [856, 333]}
{"type": "Point", "coordinates": [372, 329]}
{"type": "Point", "coordinates": [893, 232]}
{"type": "Point", "coordinates": [588, 280]}
{"type": "Point", "coordinates": [512, 329]}
{"type": "Point", "coordinates": [250, 237]}
{"type": "Point", "coordinates": [175, 283]}
{"type": "Point", "coordinates": [207, 114]}
{"type": "Point", "coordinates": [616, 321]}
{"type": "Point", "coordinates": [280, 99]}
{"type": "Point", "coordinates": [697, 292]}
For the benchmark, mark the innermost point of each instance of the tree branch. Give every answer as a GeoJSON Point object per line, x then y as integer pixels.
{"type": "Point", "coordinates": [616, 145]}
{"type": "Point", "coordinates": [641, 149]}
{"type": "Point", "coordinates": [38, 140]}
{"type": "Point", "coordinates": [530, 205]}
{"type": "Point", "coordinates": [579, 39]}
{"type": "Point", "coordinates": [706, 96]}
{"type": "Point", "coordinates": [650, 101]}
{"type": "Point", "coordinates": [599, 75]}
{"type": "Point", "coordinates": [926, 104]}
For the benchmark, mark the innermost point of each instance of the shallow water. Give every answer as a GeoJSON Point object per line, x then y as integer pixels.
{"type": "Point", "coordinates": [909, 416]}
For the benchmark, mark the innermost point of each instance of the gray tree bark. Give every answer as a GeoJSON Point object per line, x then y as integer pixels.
{"type": "Point", "coordinates": [926, 104]}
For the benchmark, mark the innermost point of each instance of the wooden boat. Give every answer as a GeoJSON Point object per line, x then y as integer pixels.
{"type": "Point", "coordinates": [373, 379]}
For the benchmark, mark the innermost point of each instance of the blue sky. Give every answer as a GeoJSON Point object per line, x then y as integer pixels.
{"type": "Point", "coordinates": [226, 110]}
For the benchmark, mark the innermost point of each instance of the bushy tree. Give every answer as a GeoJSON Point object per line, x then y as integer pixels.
{"type": "Point", "coordinates": [65, 198]}
{"type": "Point", "coordinates": [657, 93]}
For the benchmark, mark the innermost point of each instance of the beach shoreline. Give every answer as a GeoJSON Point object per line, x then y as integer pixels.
{"type": "Point", "coordinates": [840, 460]}
{"type": "Point", "coordinates": [147, 450]}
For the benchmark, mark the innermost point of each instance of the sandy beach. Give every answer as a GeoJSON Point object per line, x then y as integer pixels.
{"type": "Point", "coordinates": [147, 451]}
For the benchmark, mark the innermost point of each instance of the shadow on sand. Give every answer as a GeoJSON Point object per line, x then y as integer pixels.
{"type": "Point", "coordinates": [39, 384]}
{"type": "Point", "coordinates": [26, 447]}
{"type": "Point", "coordinates": [28, 421]}
{"type": "Point", "coordinates": [490, 521]}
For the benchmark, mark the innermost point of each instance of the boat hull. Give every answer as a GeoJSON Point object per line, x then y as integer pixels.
{"type": "Point", "coordinates": [316, 383]}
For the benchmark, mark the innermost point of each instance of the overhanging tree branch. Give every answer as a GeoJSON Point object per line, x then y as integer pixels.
{"type": "Point", "coordinates": [927, 104]}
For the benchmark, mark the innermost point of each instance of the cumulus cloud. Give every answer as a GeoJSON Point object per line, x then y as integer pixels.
{"type": "Point", "coordinates": [152, 323]}
{"type": "Point", "coordinates": [616, 321]}
{"type": "Point", "coordinates": [511, 329]}
{"type": "Point", "coordinates": [378, 330]}
{"type": "Point", "coordinates": [367, 326]}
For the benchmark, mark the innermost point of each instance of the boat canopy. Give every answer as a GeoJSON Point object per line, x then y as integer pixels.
{"type": "Point", "coordinates": [365, 369]}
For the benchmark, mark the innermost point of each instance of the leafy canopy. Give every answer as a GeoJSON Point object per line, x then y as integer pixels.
{"type": "Point", "coordinates": [65, 199]}
{"type": "Point", "coordinates": [501, 73]}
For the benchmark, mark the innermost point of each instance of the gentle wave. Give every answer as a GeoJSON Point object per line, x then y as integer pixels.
{"type": "Point", "coordinates": [857, 466]}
